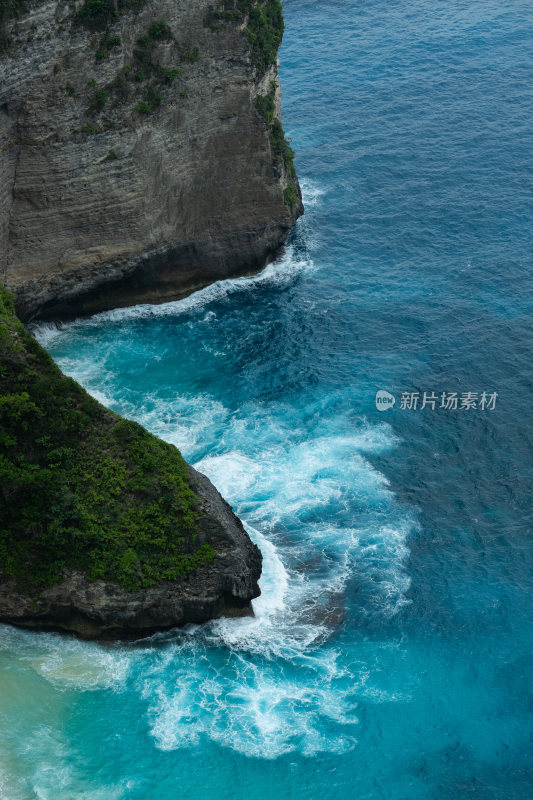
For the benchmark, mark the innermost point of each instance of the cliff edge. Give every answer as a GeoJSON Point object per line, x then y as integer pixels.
{"type": "Point", "coordinates": [105, 531]}
{"type": "Point", "coordinates": [141, 149]}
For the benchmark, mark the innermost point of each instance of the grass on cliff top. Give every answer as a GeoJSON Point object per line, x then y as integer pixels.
{"type": "Point", "coordinates": [79, 486]}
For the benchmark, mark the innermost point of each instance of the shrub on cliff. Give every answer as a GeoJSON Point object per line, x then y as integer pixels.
{"type": "Point", "coordinates": [10, 8]}
{"type": "Point", "coordinates": [290, 196]}
{"type": "Point", "coordinates": [282, 152]}
{"type": "Point", "coordinates": [160, 30]}
{"type": "Point", "coordinates": [79, 486]}
{"type": "Point", "coordinates": [98, 100]}
{"type": "Point", "coordinates": [265, 32]}
{"type": "Point", "coordinates": [99, 14]}
{"type": "Point", "coordinates": [264, 28]}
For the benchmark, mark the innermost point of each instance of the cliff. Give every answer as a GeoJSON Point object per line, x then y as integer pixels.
{"type": "Point", "coordinates": [141, 149]}
{"type": "Point", "coordinates": [105, 531]}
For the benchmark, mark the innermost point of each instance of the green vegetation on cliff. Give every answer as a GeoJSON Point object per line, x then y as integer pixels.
{"type": "Point", "coordinates": [79, 486]}
{"type": "Point", "coordinates": [264, 27]}
{"type": "Point", "coordinates": [143, 69]}
{"type": "Point", "coordinates": [98, 14]}
{"type": "Point", "coordinates": [282, 152]}
{"type": "Point", "coordinates": [9, 9]}
{"type": "Point", "coordinates": [290, 196]}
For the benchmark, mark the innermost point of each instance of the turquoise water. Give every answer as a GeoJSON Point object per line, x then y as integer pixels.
{"type": "Point", "coordinates": [391, 652]}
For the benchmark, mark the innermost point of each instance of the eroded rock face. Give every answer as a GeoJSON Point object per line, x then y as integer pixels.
{"type": "Point", "coordinates": [118, 198]}
{"type": "Point", "coordinates": [104, 610]}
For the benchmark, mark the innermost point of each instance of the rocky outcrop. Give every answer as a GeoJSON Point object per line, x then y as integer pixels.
{"type": "Point", "coordinates": [105, 531]}
{"type": "Point", "coordinates": [103, 609]}
{"type": "Point", "coordinates": [137, 163]}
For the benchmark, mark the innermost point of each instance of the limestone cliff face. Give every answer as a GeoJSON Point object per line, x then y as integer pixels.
{"type": "Point", "coordinates": [122, 181]}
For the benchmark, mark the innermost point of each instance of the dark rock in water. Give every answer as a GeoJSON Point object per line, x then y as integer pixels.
{"type": "Point", "coordinates": [105, 610]}
{"type": "Point", "coordinates": [105, 531]}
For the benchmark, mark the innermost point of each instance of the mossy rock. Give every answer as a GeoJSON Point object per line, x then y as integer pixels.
{"type": "Point", "coordinates": [81, 488]}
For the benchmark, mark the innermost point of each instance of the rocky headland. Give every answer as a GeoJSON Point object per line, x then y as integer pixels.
{"type": "Point", "coordinates": [142, 157]}
{"type": "Point", "coordinates": [105, 531]}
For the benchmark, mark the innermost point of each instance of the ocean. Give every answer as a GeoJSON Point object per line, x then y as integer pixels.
{"type": "Point", "coordinates": [390, 657]}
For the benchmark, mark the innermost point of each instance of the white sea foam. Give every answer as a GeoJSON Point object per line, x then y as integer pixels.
{"type": "Point", "coordinates": [313, 485]}
{"type": "Point", "coordinates": [274, 683]}
{"type": "Point", "coordinates": [281, 272]}
{"type": "Point", "coordinates": [278, 274]}
{"type": "Point", "coordinates": [282, 683]}
{"type": "Point", "coordinates": [312, 192]}
{"type": "Point", "coordinates": [260, 716]}
{"type": "Point", "coordinates": [46, 332]}
{"type": "Point", "coordinates": [180, 421]}
{"type": "Point", "coordinates": [66, 663]}
{"type": "Point", "coordinates": [323, 517]}
{"type": "Point", "coordinates": [267, 692]}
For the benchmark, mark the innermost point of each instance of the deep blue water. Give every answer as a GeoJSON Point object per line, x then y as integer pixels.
{"type": "Point", "coordinates": [391, 655]}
